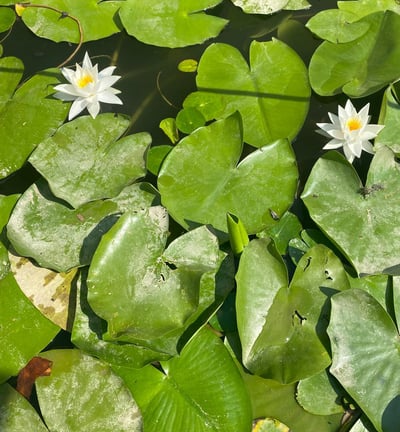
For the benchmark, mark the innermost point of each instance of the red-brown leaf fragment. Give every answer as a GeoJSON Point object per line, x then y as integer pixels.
{"type": "Point", "coordinates": [37, 366]}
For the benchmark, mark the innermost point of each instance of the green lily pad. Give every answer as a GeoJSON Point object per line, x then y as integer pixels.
{"type": "Point", "coordinates": [260, 6]}
{"type": "Point", "coordinates": [320, 394]}
{"type": "Point", "coordinates": [365, 348]}
{"type": "Point", "coordinates": [87, 335]}
{"type": "Point", "coordinates": [216, 184]}
{"type": "Point", "coordinates": [287, 228]}
{"type": "Point", "coordinates": [201, 390]}
{"type": "Point", "coordinates": [24, 330]}
{"type": "Point", "coordinates": [7, 19]}
{"type": "Point", "coordinates": [333, 25]}
{"type": "Point", "coordinates": [189, 119]}
{"type": "Point", "coordinates": [274, 400]}
{"type": "Point", "coordinates": [359, 220]}
{"type": "Point", "coordinates": [156, 156]}
{"type": "Point", "coordinates": [154, 291]}
{"type": "Point", "coordinates": [16, 413]}
{"type": "Point", "coordinates": [85, 161]}
{"type": "Point", "coordinates": [272, 94]}
{"type": "Point", "coordinates": [362, 66]}
{"type": "Point", "coordinates": [390, 117]}
{"type": "Point", "coordinates": [28, 116]}
{"type": "Point", "coordinates": [50, 24]}
{"type": "Point", "coordinates": [61, 238]}
{"type": "Point", "coordinates": [171, 23]}
{"type": "Point", "coordinates": [64, 402]}
{"type": "Point", "coordinates": [269, 6]}
{"type": "Point", "coordinates": [362, 8]}
{"type": "Point", "coordinates": [298, 347]}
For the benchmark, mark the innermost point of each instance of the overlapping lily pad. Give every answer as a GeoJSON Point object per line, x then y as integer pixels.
{"type": "Point", "coordinates": [201, 390]}
{"type": "Point", "coordinates": [16, 413]}
{"type": "Point", "coordinates": [365, 347]}
{"type": "Point", "coordinates": [85, 160]}
{"type": "Point", "coordinates": [60, 238]}
{"type": "Point", "coordinates": [283, 329]}
{"type": "Point", "coordinates": [216, 184]}
{"type": "Point", "coordinates": [64, 402]}
{"type": "Point", "coordinates": [272, 94]}
{"type": "Point", "coordinates": [144, 291]}
{"type": "Point", "coordinates": [24, 330]}
{"type": "Point", "coordinates": [269, 6]}
{"type": "Point", "coordinates": [51, 24]}
{"type": "Point", "coordinates": [171, 23]}
{"type": "Point", "coordinates": [27, 116]}
{"type": "Point", "coordinates": [358, 219]}
{"type": "Point", "coordinates": [362, 66]}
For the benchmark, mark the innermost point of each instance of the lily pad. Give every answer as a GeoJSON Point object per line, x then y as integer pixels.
{"type": "Point", "coordinates": [319, 394]}
{"type": "Point", "coordinates": [390, 117]}
{"type": "Point", "coordinates": [269, 6]}
{"type": "Point", "coordinates": [110, 407]}
{"type": "Point", "coordinates": [7, 19]}
{"type": "Point", "coordinates": [260, 6]}
{"type": "Point", "coordinates": [358, 219]}
{"type": "Point", "coordinates": [272, 94]}
{"type": "Point", "coordinates": [53, 25]}
{"type": "Point", "coordinates": [201, 390]}
{"type": "Point", "coordinates": [337, 26]}
{"type": "Point", "coordinates": [217, 184]}
{"type": "Point", "coordinates": [154, 291]}
{"type": "Point", "coordinates": [49, 291]}
{"type": "Point", "coordinates": [274, 400]}
{"type": "Point", "coordinates": [365, 348]}
{"type": "Point", "coordinates": [362, 66]}
{"type": "Point", "coordinates": [28, 116]}
{"type": "Point", "coordinates": [362, 8]}
{"type": "Point", "coordinates": [87, 334]}
{"type": "Point", "coordinates": [24, 330]}
{"type": "Point", "coordinates": [283, 329]}
{"type": "Point", "coordinates": [16, 413]}
{"type": "Point", "coordinates": [85, 161]}
{"type": "Point", "coordinates": [60, 238]}
{"type": "Point", "coordinates": [171, 23]}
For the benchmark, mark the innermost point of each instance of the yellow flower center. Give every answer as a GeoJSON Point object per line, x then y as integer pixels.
{"type": "Point", "coordinates": [353, 124]}
{"type": "Point", "coordinates": [84, 81]}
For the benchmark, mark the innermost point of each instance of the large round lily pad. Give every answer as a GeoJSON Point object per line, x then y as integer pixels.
{"type": "Point", "coordinates": [361, 220]}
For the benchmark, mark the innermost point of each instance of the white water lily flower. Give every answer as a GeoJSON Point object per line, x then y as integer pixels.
{"type": "Point", "coordinates": [88, 88]}
{"type": "Point", "coordinates": [350, 130]}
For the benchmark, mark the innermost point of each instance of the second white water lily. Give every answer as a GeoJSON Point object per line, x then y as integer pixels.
{"type": "Point", "coordinates": [88, 88]}
{"type": "Point", "coordinates": [351, 130]}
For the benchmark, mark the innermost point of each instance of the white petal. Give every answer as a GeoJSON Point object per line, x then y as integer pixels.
{"type": "Point", "coordinates": [108, 71]}
{"type": "Point", "coordinates": [106, 82]}
{"type": "Point", "coordinates": [64, 97]}
{"type": "Point", "coordinates": [334, 119]}
{"type": "Point", "coordinates": [68, 89]}
{"type": "Point", "coordinates": [355, 147]}
{"type": "Point", "coordinates": [94, 108]}
{"type": "Point", "coordinates": [78, 106]}
{"type": "Point", "coordinates": [368, 147]}
{"type": "Point", "coordinates": [373, 129]}
{"type": "Point", "coordinates": [69, 74]}
{"type": "Point", "coordinates": [109, 97]}
{"type": "Point", "coordinates": [349, 109]}
{"type": "Point", "coordinates": [322, 132]}
{"type": "Point", "coordinates": [333, 144]}
{"type": "Point", "coordinates": [363, 114]}
{"type": "Point", "coordinates": [349, 155]}
{"type": "Point", "coordinates": [87, 64]}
